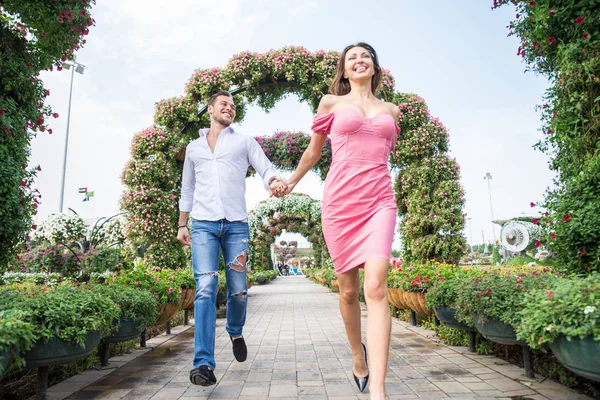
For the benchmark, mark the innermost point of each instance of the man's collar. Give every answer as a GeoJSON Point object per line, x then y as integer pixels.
{"type": "Point", "coordinates": [204, 131]}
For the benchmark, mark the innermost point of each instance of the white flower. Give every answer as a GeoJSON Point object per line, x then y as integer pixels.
{"type": "Point", "coordinates": [549, 328]}
{"type": "Point", "coordinates": [589, 310]}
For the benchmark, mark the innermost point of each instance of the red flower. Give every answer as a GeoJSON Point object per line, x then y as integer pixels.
{"type": "Point", "coordinates": [82, 13]}
{"type": "Point", "coordinates": [50, 131]}
{"type": "Point", "coordinates": [60, 20]}
{"type": "Point", "coordinates": [532, 204]}
{"type": "Point", "coordinates": [1, 113]}
{"type": "Point", "coordinates": [553, 236]}
{"type": "Point", "coordinates": [55, 115]}
{"type": "Point", "coordinates": [579, 20]}
{"type": "Point", "coordinates": [69, 14]}
{"type": "Point", "coordinates": [585, 36]}
{"type": "Point", "coordinates": [566, 218]}
{"type": "Point", "coordinates": [582, 253]}
{"type": "Point", "coordinates": [552, 12]}
{"type": "Point", "coordinates": [537, 243]}
{"type": "Point", "coordinates": [549, 293]}
{"type": "Point", "coordinates": [532, 3]}
{"type": "Point", "coordinates": [488, 292]}
{"type": "Point", "coordinates": [442, 279]}
{"type": "Point", "coordinates": [23, 183]}
{"type": "Point", "coordinates": [34, 227]}
{"type": "Point", "coordinates": [425, 279]}
{"type": "Point", "coordinates": [535, 221]}
{"type": "Point", "coordinates": [551, 40]}
{"type": "Point", "coordinates": [546, 213]}
{"type": "Point", "coordinates": [536, 45]}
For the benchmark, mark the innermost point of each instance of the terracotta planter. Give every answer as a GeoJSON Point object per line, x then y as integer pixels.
{"type": "Point", "coordinates": [581, 356]}
{"type": "Point", "coordinates": [166, 313]}
{"type": "Point", "coordinates": [57, 351]}
{"type": "Point", "coordinates": [186, 301]}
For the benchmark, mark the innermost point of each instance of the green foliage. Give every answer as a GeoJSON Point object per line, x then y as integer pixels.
{"type": "Point", "coordinates": [568, 307]}
{"type": "Point", "coordinates": [16, 335]}
{"type": "Point", "coordinates": [418, 277]}
{"type": "Point", "coordinates": [163, 284]}
{"type": "Point", "coordinates": [498, 295]}
{"type": "Point", "coordinates": [262, 277]}
{"type": "Point", "coordinates": [66, 310]}
{"type": "Point", "coordinates": [34, 36]}
{"type": "Point", "coordinates": [135, 304]}
{"type": "Point", "coordinates": [41, 278]}
{"type": "Point", "coordinates": [444, 291]}
{"type": "Point", "coordinates": [561, 40]}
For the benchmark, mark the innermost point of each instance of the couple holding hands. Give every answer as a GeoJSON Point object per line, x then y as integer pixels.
{"type": "Point", "coordinates": [358, 213]}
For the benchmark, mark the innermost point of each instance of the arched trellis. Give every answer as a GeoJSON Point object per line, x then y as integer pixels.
{"type": "Point", "coordinates": [295, 213]}
{"type": "Point", "coordinates": [152, 176]}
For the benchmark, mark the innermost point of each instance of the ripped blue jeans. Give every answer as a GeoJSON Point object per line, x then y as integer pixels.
{"type": "Point", "coordinates": [209, 238]}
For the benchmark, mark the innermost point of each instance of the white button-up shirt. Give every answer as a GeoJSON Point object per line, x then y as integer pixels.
{"type": "Point", "coordinates": [213, 185]}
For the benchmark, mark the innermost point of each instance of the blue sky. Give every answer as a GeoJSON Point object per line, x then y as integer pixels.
{"type": "Point", "coordinates": [457, 58]}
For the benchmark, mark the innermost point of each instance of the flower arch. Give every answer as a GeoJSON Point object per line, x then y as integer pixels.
{"type": "Point", "coordinates": [152, 175]}
{"type": "Point", "coordinates": [295, 213]}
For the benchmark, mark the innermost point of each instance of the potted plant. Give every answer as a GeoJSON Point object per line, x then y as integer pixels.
{"type": "Point", "coordinates": [566, 316]}
{"type": "Point", "coordinates": [69, 320]}
{"type": "Point", "coordinates": [16, 336]}
{"type": "Point", "coordinates": [138, 310]}
{"type": "Point", "coordinates": [187, 283]}
{"type": "Point", "coordinates": [492, 301]}
{"type": "Point", "coordinates": [442, 295]}
{"type": "Point", "coordinates": [163, 284]}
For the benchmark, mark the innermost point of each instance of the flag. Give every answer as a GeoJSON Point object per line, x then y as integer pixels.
{"type": "Point", "coordinates": [86, 199]}
{"type": "Point", "coordinates": [89, 194]}
{"type": "Point", "coordinates": [82, 190]}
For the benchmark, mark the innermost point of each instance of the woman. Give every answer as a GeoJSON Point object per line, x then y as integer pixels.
{"type": "Point", "coordinates": [359, 208]}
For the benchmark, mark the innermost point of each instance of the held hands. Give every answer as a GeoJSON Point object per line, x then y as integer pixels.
{"type": "Point", "coordinates": [281, 187]}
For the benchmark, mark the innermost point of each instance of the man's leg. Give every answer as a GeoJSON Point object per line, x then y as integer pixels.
{"type": "Point", "coordinates": [235, 251]}
{"type": "Point", "coordinates": [205, 263]}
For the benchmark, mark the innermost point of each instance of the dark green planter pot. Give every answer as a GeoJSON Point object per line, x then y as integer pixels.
{"type": "Point", "coordinates": [57, 351]}
{"type": "Point", "coordinates": [497, 331]}
{"type": "Point", "coordinates": [128, 330]}
{"type": "Point", "coordinates": [5, 357]}
{"type": "Point", "coordinates": [447, 316]}
{"type": "Point", "coordinates": [581, 356]}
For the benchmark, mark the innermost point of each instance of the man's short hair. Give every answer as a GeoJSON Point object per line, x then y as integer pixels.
{"type": "Point", "coordinates": [213, 98]}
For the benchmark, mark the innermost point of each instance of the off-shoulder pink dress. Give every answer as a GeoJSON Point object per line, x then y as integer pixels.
{"type": "Point", "coordinates": [359, 207]}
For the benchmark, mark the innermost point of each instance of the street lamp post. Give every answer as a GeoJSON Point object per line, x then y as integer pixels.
{"type": "Point", "coordinates": [79, 68]}
{"type": "Point", "coordinates": [470, 235]}
{"type": "Point", "coordinates": [488, 177]}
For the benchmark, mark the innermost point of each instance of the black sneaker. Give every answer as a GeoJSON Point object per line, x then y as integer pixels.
{"type": "Point", "coordinates": [240, 351]}
{"type": "Point", "coordinates": [203, 376]}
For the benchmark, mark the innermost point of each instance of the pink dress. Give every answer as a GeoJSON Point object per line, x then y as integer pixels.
{"type": "Point", "coordinates": [359, 206]}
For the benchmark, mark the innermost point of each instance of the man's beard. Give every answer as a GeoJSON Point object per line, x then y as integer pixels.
{"type": "Point", "coordinates": [222, 121]}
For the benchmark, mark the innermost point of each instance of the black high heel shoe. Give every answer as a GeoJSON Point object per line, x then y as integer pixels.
{"type": "Point", "coordinates": [362, 382]}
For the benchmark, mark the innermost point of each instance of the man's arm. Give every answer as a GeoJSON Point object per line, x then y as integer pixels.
{"type": "Point", "coordinates": [261, 163]}
{"type": "Point", "coordinates": [186, 201]}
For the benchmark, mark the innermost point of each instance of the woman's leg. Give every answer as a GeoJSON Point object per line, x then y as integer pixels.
{"type": "Point", "coordinates": [379, 323]}
{"type": "Point", "coordinates": [349, 285]}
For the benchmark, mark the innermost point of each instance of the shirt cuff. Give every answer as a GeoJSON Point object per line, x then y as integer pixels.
{"type": "Point", "coordinates": [185, 205]}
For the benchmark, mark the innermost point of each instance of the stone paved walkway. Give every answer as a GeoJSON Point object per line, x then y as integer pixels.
{"type": "Point", "coordinates": [298, 350]}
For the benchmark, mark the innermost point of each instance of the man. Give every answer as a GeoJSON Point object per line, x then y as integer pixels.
{"type": "Point", "coordinates": [213, 191]}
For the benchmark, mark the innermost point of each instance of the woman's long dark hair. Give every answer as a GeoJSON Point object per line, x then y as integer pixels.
{"type": "Point", "coordinates": [340, 85]}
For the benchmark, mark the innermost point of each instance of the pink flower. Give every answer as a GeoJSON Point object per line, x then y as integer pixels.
{"type": "Point", "coordinates": [170, 290]}
{"type": "Point", "coordinates": [1, 113]}
{"type": "Point", "coordinates": [55, 115]}
{"type": "Point", "coordinates": [585, 36]}
{"type": "Point", "coordinates": [532, 204]}
{"type": "Point", "coordinates": [551, 40]}
{"type": "Point", "coordinates": [538, 243]}
{"type": "Point", "coordinates": [579, 20]}
{"type": "Point", "coordinates": [582, 253]}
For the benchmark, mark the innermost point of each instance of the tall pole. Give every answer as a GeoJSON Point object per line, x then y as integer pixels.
{"type": "Point", "coordinates": [488, 177]}
{"type": "Point", "coordinates": [470, 235]}
{"type": "Point", "coordinates": [64, 169]}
